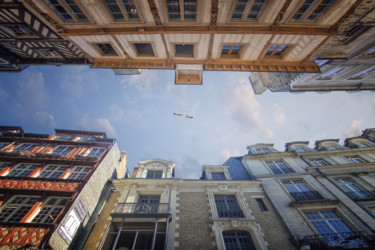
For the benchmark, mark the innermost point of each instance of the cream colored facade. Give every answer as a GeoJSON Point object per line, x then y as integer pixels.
{"type": "Point", "coordinates": [192, 219]}
{"type": "Point", "coordinates": [273, 35]}
{"type": "Point", "coordinates": [324, 194]}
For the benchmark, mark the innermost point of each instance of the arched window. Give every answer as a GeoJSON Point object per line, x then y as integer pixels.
{"type": "Point", "coordinates": [238, 240]}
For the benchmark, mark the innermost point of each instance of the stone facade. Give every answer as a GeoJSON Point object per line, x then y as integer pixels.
{"type": "Point", "coordinates": [194, 220]}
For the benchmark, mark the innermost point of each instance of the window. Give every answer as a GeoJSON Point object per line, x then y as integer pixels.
{"type": "Point", "coordinates": [351, 188]}
{"type": "Point", "coordinates": [122, 10]}
{"type": "Point", "coordinates": [248, 10]}
{"type": "Point", "coordinates": [4, 165]}
{"type": "Point", "coordinates": [50, 210]}
{"type": "Point", "coordinates": [152, 174]}
{"type": "Point", "coordinates": [300, 191]}
{"type": "Point", "coordinates": [48, 52]}
{"type": "Point", "coordinates": [355, 159]}
{"type": "Point", "coordinates": [312, 10]}
{"type": "Point", "coordinates": [362, 74]}
{"type": "Point", "coordinates": [318, 162]}
{"type": "Point", "coordinates": [96, 152]}
{"type": "Point", "coordinates": [17, 207]}
{"type": "Point", "coordinates": [364, 144]}
{"type": "Point", "coordinates": [181, 10]}
{"type": "Point", "coordinates": [332, 147]}
{"type": "Point", "coordinates": [52, 171]}
{"type": "Point", "coordinates": [231, 50]}
{"type": "Point", "coordinates": [184, 50]}
{"type": "Point", "coordinates": [25, 147]}
{"type": "Point", "coordinates": [3, 145]}
{"type": "Point", "coordinates": [87, 139]}
{"type": "Point", "coordinates": [227, 206]}
{"type": "Point", "coordinates": [330, 74]}
{"type": "Point", "coordinates": [144, 49]}
{"type": "Point", "coordinates": [332, 228]}
{"type": "Point", "coordinates": [276, 51]}
{"type": "Point", "coordinates": [301, 149]}
{"type": "Point", "coordinates": [18, 30]}
{"type": "Point", "coordinates": [105, 49]}
{"type": "Point", "coordinates": [263, 150]}
{"type": "Point", "coordinates": [368, 53]}
{"type": "Point", "coordinates": [261, 205]}
{"type": "Point", "coordinates": [279, 167]}
{"type": "Point", "coordinates": [238, 240]}
{"type": "Point", "coordinates": [67, 10]}
{"type": "Point", "coordinates": [78, 172]}
{"type": "Point", "coordinates": [62, 150]}
{"type": "Point", "coordinates": [22, 169]}
{"type": "Point", "coordinates": [147, 204]}
{"type": "Point", "coordinates": [218, 176]}
{"type": "Point", "coordinates": [65, 137]}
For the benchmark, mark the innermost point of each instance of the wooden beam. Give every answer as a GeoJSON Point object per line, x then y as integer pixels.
{"type": "Point", "coordinates": [197, 30]}
{"type": "Point", "coordinates": [276, 22]}
{"type": "Point", "coordinates": [214, 13]}
{"type": "Point", "coordinates": [155, 12]}
{"type": "Point", "coordinates": [225, 65]}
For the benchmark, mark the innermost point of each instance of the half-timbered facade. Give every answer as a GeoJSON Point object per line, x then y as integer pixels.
{"type": "Point", "coordinates": [50, 185]}
{"type": "Point", "coordinates": [26, 37]}
{"type": "Point", "coordinates": [191, 36]}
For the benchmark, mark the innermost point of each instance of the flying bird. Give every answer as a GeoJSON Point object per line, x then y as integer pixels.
{"type": "Point", "coordinates": [183, 115]}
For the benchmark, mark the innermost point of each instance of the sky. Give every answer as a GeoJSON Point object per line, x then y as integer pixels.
{"type": "Point", "coordinates": [138, 110]}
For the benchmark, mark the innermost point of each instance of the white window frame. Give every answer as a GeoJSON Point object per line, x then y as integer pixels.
{"type": "Point", "coordinates": [51, 169]}
{"type": "Point", "coordinates": [49, 210]}
{"type": "Point", "coordinates": [22, 168]}
{"type": "Point", "coordinates": [79, 172]}
{"type": "Point", "coordinates": [28, 147]}
{"type": "Point", "coordinates": [94, 152]}
{"type": "Point", "coordinates": [64, 152]}
{"type": "Point", "coordinates": [14, 206]}
{"type": "Point", "coordinates": [277, 164]}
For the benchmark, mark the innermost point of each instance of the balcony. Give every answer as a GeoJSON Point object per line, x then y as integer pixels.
{"type": "Point", "coordinates": [142, 210]}
{"type": "Point", "coordinates": [306, 196]}
{"type": "Point", "coordinates": [346, 240]}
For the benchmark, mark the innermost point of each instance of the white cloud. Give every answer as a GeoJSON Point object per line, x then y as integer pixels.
{"type": "Point", "coordinates": [129, 116]}
{"type": "Point", "coordinates": [99, 124]}
{"type": "Point", "coordinates": [31, 90]}
{"type": "Point", "coordinates": [268, 133]}
{"type": "Point", "coordinates": [279, 114]}
{"type": "Point", "coordinates": [240, 101]}
{"type": "Point", "coordinates": [45, 120]}
{"type": "Point", "coordinates": [354, 129]}
{"type": "Point", "coordinates": [225, 154]}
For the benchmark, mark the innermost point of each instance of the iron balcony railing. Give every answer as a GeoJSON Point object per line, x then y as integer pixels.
{"type": "Point", "coordinates": [349, 240]}
{"type": "Point", "coordinates": [142, 208]}
{"type": "Point", "coordinates": [306, 196]}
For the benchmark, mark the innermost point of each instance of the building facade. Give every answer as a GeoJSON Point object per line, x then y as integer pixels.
{"type": "Point", "coordinates": [153, 210]}
{"type": "Point", "coordinates": [28, 38]}
{"type": "Point", "coordinates": [324, 195]}
{"type": "Point", "coordinates": [192, 36]}
{"type": "Point", "coordinates": [50, 185]}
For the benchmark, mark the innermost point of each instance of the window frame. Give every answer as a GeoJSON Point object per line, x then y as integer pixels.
{"type": "Point", "coordinates": [233, 209]}
{"type": "Point", "coordinates": [238, 242]}
{"type": "Point", "coordinates": [17, 148]}
{"type": "Point", "coordinates": [10, 30]}
{"type": "Point", "coordinates": [314, 160]}
{"type": "Point", "coordinates": [53, 151]}
{"type": "Point", "coordinates": [71, 14]}
{"type": "Point", "coordinates": [246, 12]}
{"type": "Point", "coordinates": [363, 74]}
{"type": "Point", "coordinates": [329, 75]}
{"type": "Point", "coordinates": [369, 53]}
{"type": "Point", "coordinates": [46, 211]}
{"type": "Point", "coordinates": [299, 190]}
{"type": "Point", "coordinates": [230, 55]}
{"type": "Point", "coordinates": [351, 188]}
{"type": "Point", "coordinates": [268, 162]}
{"type": "Point", "coordinates": [16, 207]}
{"type": "Point", "coordinates": [154, 174]}
{"type": "Point", "coordinates": [355, 159]}
{"type": "Point", "coordinates": [58, 55]}
{"type": "Point", "coordinates": [184, 55]}
{"type": "Point", "coordinates": [283, 54]}
{"type": "Point", "coordinates": [49, 173]}
{"type": "Point", "coordinates": [20, 172]}
{"type": "Point", "coordinates": [182, 13]}
{"type": "Point", "coordinates": [93, 154]}
{"type": "Point", "coordinates": [314, 5]}
{"type": "Point", "coordinates": [219, 174]}
{"type": "Point", "coordinates": [124, 12]}
{"type": "Point", "coordinates": [99, 50]}
{"type": "Point", "coordinates": [79, 174]}
{"type": "Point", "coordinates": [134, 48]}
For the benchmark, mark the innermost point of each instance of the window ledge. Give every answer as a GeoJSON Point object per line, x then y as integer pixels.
{"type": "Point", "coordinates": [309, 203]}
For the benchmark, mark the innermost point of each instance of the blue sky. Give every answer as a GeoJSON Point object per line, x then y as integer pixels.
{"type": "Point", "coordinates": [138, 111]}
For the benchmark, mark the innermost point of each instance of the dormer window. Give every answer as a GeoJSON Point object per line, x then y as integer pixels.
{"type": "Point", "coordinates": [216, 172]}
{"type": "Point", "coordinates": [152, 174]}
{"type": "Point", "coordinates": [332, 147]}
{"type": "Point", "coordinates": [218, 176]}
{"type": "Point", "coordinates": [263, 150]}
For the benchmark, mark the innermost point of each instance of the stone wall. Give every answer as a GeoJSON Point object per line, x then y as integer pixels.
{"type": "Point", "coordinates": [193, 231]}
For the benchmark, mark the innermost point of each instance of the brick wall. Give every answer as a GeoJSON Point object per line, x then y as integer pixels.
{"type": "Point", "coordinates": [193, 225]}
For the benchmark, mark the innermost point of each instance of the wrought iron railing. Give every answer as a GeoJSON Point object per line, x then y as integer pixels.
{"type": "Point", "coordinates": [142, 208]}
{"type": "Point", "coordinates": [306, 196]}
{"type": "Point", "coordinates": [348, 240]}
